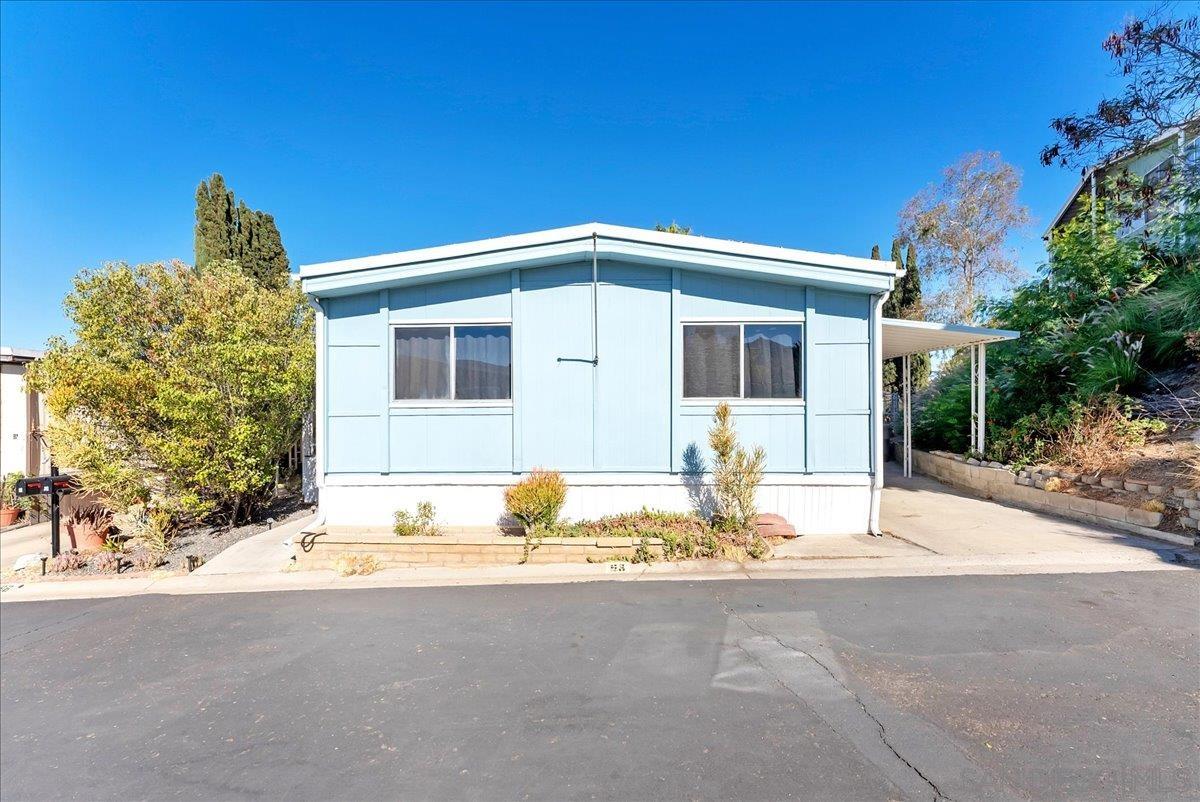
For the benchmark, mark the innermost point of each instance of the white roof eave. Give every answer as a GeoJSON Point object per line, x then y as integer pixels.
{"type": "Point", "coordinates": [575, 242]}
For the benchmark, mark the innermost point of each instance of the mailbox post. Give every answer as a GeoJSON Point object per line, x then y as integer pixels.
{"type": "Point", "coordinates": [54, 485]}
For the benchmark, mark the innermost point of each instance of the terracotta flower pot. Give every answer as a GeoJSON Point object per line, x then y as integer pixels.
{"type": "Point", "coordinates": [86, 538]}
{"type": "Point", "coordinates": [9, 515]}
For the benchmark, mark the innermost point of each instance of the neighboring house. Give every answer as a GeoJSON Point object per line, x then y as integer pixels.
{"type": "Point", "coordinates": [21, 415]}
{"type": "Point", "coordinates": [443, 374]}
{"type": "Point", "coordinates": [1156, 163]}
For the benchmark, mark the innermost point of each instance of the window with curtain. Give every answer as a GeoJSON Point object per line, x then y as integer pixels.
{"type": "Point", "coordinates": [710, 361]}
{"type": "Point", "coordinates": [742, 360]}
{"type": "Point", "coordinates": [459, 362]}
{"type": "Point", "coordinates": [771, 361]}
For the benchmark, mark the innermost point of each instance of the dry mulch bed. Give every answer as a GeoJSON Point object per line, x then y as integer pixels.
{"type": "Point", "coordinates": [203, 541]}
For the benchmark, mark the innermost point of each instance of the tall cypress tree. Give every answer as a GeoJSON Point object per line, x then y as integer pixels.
{"type": "Point", "coordinates": [894, 305]}
{"type": "Point", "coordinates": [874, 251]}
{"type": "Point", "coordinates": [216, 221]}
{"type": "Point", "coordinates": [915, 309]}
{"type": "Point", "coordinates": [229, 229]}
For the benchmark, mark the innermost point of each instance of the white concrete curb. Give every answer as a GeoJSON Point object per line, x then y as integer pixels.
{"type": "Point", "coordinates": [835, 568]}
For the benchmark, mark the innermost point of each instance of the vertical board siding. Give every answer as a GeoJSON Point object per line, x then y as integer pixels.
{"type": "Point", "coordinates": [633, 397]}
{"type": "Point", "coordinates": [625, 414]}
{"type": "Point", "coordinates": [839, 390]}
{"type": "Point", "coordinates": [464, 299]}
{"type": "Point", "coordinates": [711, 295]}
{"type": "Point", "coordinates": [556, 396]}
{"type": "Point", "coordinates": [356, 376]}
{"type": "Point", "coordinates": [448, 440]}
{"type": "Point", "coordinates": [778, 429]}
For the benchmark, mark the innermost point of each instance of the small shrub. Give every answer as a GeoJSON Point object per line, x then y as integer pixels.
{"type": "Point", "coordinates": [421, 523]}
{"type": "Point", "coordinates": [1090, 435]}
{"type": "Point", "coordinates": [145, 560]}
{"type": "Point", "coordinates": [1154, 505]}
{"type": "Point", "coordinates": [347, 564]}
{"type": "Point", "coordinates": [537, 499]}
{"type": "Point", "coordinates": [150, 526]}
{"type": "Point", "coordinates": [67, 561]}
{"type": "Point", "coordinates": [1056, 485]}
{"type": "Point", "coordinates": [107, 561]}
{"type": "Point", "coordinates": [8, 491]}
{"type": "Point", "coordinates": [736, 474]}
{"type": "Point", "coordinates": [758, 548]}
{"type": "Point", "coordinates": [643, 553]}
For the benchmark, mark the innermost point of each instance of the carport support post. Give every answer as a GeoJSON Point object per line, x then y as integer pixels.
{"type": "Point", "coordinates": [906, 395]}
{"type": "Point", "coordinates": [974, 404]}
{"type": "Point", "coordinates": [981, 395]}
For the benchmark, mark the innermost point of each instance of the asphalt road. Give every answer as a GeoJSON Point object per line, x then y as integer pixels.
{"type": "Point", "coordinates": [1034, 687]}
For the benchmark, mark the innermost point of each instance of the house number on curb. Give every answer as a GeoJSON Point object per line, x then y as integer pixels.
{"type": "Point", "coordinates": [617, 567]}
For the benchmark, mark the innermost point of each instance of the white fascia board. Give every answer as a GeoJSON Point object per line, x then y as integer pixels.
{"type": "Point", "coordinates": [564, 244]}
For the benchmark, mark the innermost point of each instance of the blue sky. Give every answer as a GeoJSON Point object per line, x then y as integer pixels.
{"type": "Point", "coordinates": [373, 128]}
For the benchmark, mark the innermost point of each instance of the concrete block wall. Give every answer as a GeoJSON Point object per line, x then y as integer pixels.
{"type": "Point", "coordinates": [318, 550]}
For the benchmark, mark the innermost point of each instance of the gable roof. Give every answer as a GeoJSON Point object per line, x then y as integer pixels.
{"type": "Point", "coordinates": [576, 243]}
{"type": "Point", "coordinates": [1188, 129]}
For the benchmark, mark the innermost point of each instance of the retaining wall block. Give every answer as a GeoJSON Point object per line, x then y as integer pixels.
{"type": "Point", "coordinates": [1143, 517]}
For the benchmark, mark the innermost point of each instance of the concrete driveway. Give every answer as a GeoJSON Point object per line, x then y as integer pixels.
{"type": "Point", "coordinates": [18, 540]}
{"type": "Point", "coordinates": [934, 517]}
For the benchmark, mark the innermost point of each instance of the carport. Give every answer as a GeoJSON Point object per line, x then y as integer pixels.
{"type": "Point", "coordinates": [904, 338]}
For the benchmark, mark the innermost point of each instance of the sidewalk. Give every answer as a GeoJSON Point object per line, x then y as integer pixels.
{"type": "Point", "coordinates": [924, 564]}
{"type": "Point", "coordinates": [934, 532]}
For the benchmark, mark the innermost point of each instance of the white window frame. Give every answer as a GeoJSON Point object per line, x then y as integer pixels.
{"type": "Point", "coordinates": [451, 401]}
{"type": "Point", "coordinates": [741, 323]}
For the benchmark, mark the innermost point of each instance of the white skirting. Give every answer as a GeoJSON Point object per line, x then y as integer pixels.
{"type": "Point", "coordinates": [814, 504]}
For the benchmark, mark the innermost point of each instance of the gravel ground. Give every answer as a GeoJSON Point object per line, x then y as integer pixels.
{"type": "Point", "coordinates": [207, 542]}
{"type": "Point", "coordinates": [203, 541]}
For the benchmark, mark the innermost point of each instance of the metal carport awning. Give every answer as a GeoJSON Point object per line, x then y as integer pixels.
{"type": "Point", "coordinates": [903, 338]}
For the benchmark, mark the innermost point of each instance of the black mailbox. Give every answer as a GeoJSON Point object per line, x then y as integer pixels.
{"type": "Point", "coordinates": [45, 485]}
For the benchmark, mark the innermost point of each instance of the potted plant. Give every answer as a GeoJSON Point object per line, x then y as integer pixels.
{"type": "Point", "coordinates": [10, 505]}
{"type": "Point", "coordinates": [88, 527]}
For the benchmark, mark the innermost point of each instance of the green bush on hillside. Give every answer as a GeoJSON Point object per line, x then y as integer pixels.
{"type": "Point", "coordinates": [1103, 315]}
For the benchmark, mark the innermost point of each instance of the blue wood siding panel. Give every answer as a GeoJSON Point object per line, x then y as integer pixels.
{"type": "Point", "coordinates": [633, 395]}
{"type": "Point", "coordinates": [356, 378]}
{"type": "Point", "coordinates": [449, 440]}
{"type": "Point", "coordinates": [839, 382]}
{"type": "Point", "coordinates": [778, 429]}
{"type": "Point", "coordinates": [465, 299]}
{"type": "Point", "coordinates": [556, 396]}
{"type": "Point", "coordinates": [352, 443]}
{"type": "Point", "coordinates": [621, 415]}
{"type": "Point", "coordinates": [710, 295]}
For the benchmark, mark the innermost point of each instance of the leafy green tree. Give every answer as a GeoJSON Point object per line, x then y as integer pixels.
{"type": "Point", "coordinates": [1157, 55]}
{"type": "Point", "coordinates": [228, 229]}
{"type": "Point", "coordinates": [1103, 315]}
{"type": "Point", "coordinates": [180, 387]}
{"type": "Point", "coordinates": [962, 226]}
{"type": "Point", "coordinates": [673, 228]}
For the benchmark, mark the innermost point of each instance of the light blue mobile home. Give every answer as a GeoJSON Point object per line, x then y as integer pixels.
{"type": "Point", "coordinates": [600, 351]}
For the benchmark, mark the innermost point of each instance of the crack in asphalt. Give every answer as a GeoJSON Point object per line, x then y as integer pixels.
{"type": "Point", "coordinates": [883, 737]}
{"type": "Point", "coordinates": [62, 624]}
